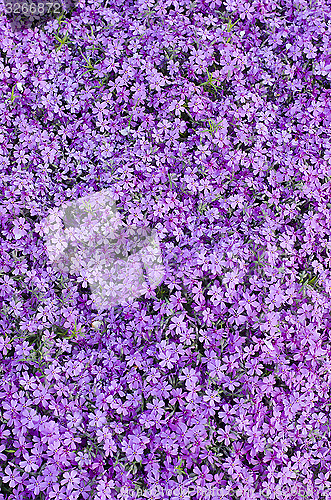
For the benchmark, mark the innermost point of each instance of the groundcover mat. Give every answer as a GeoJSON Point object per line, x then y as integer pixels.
{"type": "Point", "coordinates": [204, 128]}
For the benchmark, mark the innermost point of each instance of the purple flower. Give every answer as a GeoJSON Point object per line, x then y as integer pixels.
{"type": "Point", "coordinates": [202, 475]}
{"type": "Point", "coordinates": [20, 228]}
{"type": "Point", "coordinates": [23, 350]}
{"type": "Point", "coordinates": [178, 323]}
{"type": "Point", "coordinates": [104, 488]}
{"type": "Point", "coordinates": [12, 477]}
{"type": "Point", "coordinates": [5, 345]}
{"type": "Point", "coordinates": [2, 456]}
{"type": "Point", "coordinates": [29, 463]}
{"type": "Point", "coordinates": [58, 493]}
{"type": "Point", "coordinates": [36, 485]}
{"type": "Point", "coordinates": [211, 397]}
{"type": "Point", "coordinates": [29, 418]}
{"type": "Point", "coordinates": [71, 480]}
{"type": "Point", "coordinates": [225, 435]}
{"type": "Point", "coordinates": [134, 447]}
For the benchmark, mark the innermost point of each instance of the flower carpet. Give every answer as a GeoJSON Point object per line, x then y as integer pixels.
{"type": "Point", "coordinates": [209, 121]}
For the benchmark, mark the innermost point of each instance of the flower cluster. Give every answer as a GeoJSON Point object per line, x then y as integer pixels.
{"type": "Point", "coordinates": [209, 121]}
{"type": "Point", "coordinates": [112, 256]}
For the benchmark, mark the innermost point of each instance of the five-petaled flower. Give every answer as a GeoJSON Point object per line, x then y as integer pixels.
{"type": "Point", "coordinates": [21, 227]}
{"type": "Point", "coordinates": [71, 479]}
